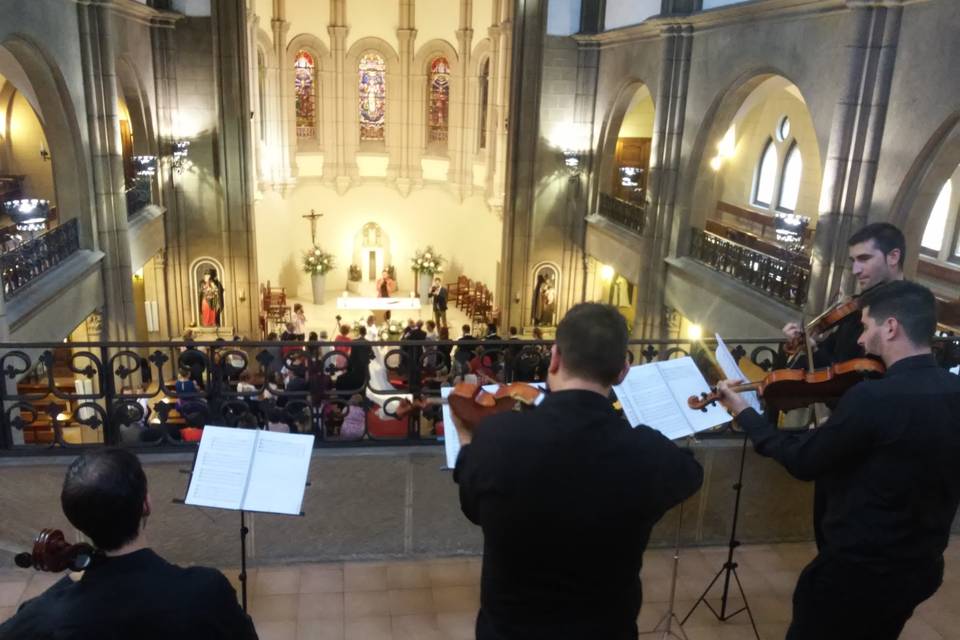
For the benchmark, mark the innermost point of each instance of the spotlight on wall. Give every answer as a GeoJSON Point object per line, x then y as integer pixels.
{"type": "Point", "coordinates": [29, 214]}
{"type": "Point", "coordinates": [716, 163]}
{"type": "Point", "coordinates": [145, 166]}
{"type": "Point", "coordinates": [606, 273]}
{"type": "Point", "coordinates": [694, 332]}
{"type": "Point", "coordinates": [179, 152]}
{"type": "Point", "coordinates": [571, 160]}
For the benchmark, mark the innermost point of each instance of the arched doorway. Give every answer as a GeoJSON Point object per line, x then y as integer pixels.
{"type": "Point", "coordinates": [627, 144]}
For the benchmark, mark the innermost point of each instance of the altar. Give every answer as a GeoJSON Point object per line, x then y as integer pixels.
{"type": "Point", "coordinates": [378, 304]}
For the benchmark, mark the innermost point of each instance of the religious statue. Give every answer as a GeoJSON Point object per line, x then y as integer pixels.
{"type": "Point", "coordinates": [386, 285]}
{"type": "Point", "coordinates": [545, 298]}
{"type": "Point", "coordinates": [211, 299]}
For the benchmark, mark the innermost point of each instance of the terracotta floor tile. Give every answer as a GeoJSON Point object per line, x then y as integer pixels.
{"type": "Point", "coordinates": [410, 601]}
{"type": "Point", "coordinates": [369, 628]}
{"type": "Point", "coordinates": [313, 606]}
{"type": "Point", "coordinates": [321, 578]}
{"type": "Point", "coordinates": [286, 630]}
{"type": "Point", "coordinates": [320, 629]}
{"type": "Point", "coordinates": [458, 626]}
{"type": "Point", "coordinates": [6, 613]}
{"type": "Point", "coordinates": [361, 604]}
{"type": "Point", "coordinates": [456, 599]}
{"type": "Point", "coordinates": [10, 592]}
{"type": "Point", "coordinates": [281, 608]}
{"type": "Point", "coordinates": [274, 582]}
{"type": "Point", "coordinates": [452, 574]}
{"type": "Point", "coordinates": [416, 627]}
{"type": "Point", "coordinates": [364, 576]}
{"type": "Point", "coordinates": [408, 575]}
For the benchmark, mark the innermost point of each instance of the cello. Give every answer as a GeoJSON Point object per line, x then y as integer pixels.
{"type": "Point", "coordinates": [470, 403]}
{"type": "Point", "coordinates": [51, 552]}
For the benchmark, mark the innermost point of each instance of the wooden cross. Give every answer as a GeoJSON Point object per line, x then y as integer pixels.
{"type": "Point", "coordinates": [313, 216]}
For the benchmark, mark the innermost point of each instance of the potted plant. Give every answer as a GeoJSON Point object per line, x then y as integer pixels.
{"type": "Point", "coordinates": [353, 278]}
{"type": "Point", "coordinates": [317, 263]}
{"type": "Point", "coordinates": [426, 264]}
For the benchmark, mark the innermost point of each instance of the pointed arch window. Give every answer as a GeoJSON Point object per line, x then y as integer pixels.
{"type": "Point", "coordinates": [766, 177]}
{"type": "Point", "coordinates": [937, 222]}
{"type": "Point", "coordinates": [372, 96]}
{"type": "Point", "coordinates": [305, 90]}
{"type": "Point", "coordinates": [790, 185]}
{"type": "Point", "coordinates": [438, 102]}
{"type": "Point", "coordinates": [484, 102]}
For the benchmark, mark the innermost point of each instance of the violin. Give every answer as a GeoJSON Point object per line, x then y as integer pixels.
{"type": "Point", "coordinates": [471, 404]}
{"type": "Point", "coordinates": [52, 552]}
{"type": "Point", "coordinates": [821, 324]}
{"type": "Point", "coordinates": [788, 389]}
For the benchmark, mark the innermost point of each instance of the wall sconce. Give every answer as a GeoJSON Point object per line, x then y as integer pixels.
{"type": "Point", "coordinates": [571, 160]}
{"type": "Point", "coordinates": [44, 154]}
{"type": "Point", "coordinates": [145, 166]}
{"type": "Point", "coordinates": [179, 152]}
{"type": "Point", "coordinates": [29, 214]}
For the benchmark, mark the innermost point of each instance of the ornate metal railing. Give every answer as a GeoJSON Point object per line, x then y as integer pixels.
{"type": "Point", "coordinates": [159, 395]}
{"type": "Point", "coordinates": [783, 279]}
{"type": "Point", "coordinates": [27, 262]}
{"type": "Point", "coordinates": [631, 215]}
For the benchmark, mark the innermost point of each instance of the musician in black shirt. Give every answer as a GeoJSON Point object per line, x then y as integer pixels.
{"type": "Point", "coordinates": [567, 495]}
{"type": "Point", "coordinates": [886, 460]}
{"type": "Point", "coordinates": [129, 591]}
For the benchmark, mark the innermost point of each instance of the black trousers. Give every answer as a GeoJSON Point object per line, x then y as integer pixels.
{"type": "Point", "coordinates": [840, 600]}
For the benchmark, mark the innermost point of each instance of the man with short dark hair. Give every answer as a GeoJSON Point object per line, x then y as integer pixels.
{"type": "Point", "coordinates": [129, 591]}
{"type": "Point", "coordinates": [886, 461]}
{"type": "Point", "coordinates": [439, 294]}
{"type": "Point", "coordinates": [567, 494]}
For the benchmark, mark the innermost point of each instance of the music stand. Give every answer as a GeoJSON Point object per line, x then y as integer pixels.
{"type": "Point", "coordinates": [665, 626]}
{"type": "Point", "coordinates": [729, 567]}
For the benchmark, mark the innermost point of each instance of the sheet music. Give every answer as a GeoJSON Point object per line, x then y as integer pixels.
{"type": "Point", "coordinates": [451, 439]}
{"type": "Point", "coordinates": [279, 472]}
{"type": "Point", "coordinates": [646, 399]}
{"type": "Point", "coordinates": [656, 395]}
{"type": "Point", "coordinates": [223, 464]}
{"type": "Point", "coordinates": [733, 372]}
{"type": "Point", "coordinates": [250, 469]}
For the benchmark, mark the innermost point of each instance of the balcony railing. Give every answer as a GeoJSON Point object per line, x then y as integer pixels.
{"type": "Point", "coordinates": [631, 215]}
{"type": "Point", "coordinates": [160, 394]}
{"type": "Point", "coordinates": [784, 279]}
{"type": "Point", "coordinates": [30, 260]}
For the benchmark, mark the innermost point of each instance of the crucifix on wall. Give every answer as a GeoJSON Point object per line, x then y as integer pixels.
{"type": "Point", "coordinates": [313, 216]}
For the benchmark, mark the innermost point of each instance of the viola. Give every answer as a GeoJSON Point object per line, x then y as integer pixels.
{"type": "Point", "coordinates": [471, 404]}
{"type": "Point", "coordinates": [821, 324]}
{"type": "Point", "coordinates": [787, 389]}
{"type": "Point", "coordinates": [52, 552]}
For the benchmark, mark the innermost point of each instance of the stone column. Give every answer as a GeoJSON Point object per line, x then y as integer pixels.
{"type": "Point", "coordinates": [103, 126]}
{"type": "Point", "coordinates": [664, 171]}
{"type": "Point", "coordinates": [163, 300]}
{"type": "Point", "coordinates": [524, 131]}
{"type": "Point", "coordinates": [501, 35]}
{"type": "Point", "coordinates": [284, 125]}
{"type": "Point", "coordinates": [408, 162]}
{"type": "Point", "coordinates": [460, 173]}
{"type": "Point", "coordinates": [234, 151]}
{"type": "Point", "coordinates": [854, 148]}
{"type": "Point", "coordinates": [336, 148]}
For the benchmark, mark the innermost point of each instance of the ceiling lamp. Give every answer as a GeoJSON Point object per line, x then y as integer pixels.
{"type": "Point", "coordinates": [29, 214]}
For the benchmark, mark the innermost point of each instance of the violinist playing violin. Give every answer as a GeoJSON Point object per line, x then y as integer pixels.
{"type": "Point", "coordinates": [567, 493]}
{"type": "Point", "coordinates": [127, 591]}
{"type": "Point", "coordinates": [877, 252]}
{"type": "Point", "coordinates": [886, 461]}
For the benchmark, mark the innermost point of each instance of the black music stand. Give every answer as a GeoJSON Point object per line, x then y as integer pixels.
{"type": "Point", "coordinates": [729, 567]}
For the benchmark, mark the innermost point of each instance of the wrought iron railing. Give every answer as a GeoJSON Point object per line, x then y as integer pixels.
{"type": "Point", "coordinates": [631, 215]}
{"type": "Point", "coordinates": [159, 395]}
{"type": "Point", "coordinates": [784, 279]}
{"type": "Point", "coordinates": [30, 260]}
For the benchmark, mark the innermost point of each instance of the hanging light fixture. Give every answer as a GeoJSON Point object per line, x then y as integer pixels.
{"type": "Point", "coordinates": [29, 214]}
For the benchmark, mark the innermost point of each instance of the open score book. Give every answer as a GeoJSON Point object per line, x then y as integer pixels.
{"type": "Point", "coordinates": [250, 470]}
{"type": "Point", "coordinates": [656, 395]}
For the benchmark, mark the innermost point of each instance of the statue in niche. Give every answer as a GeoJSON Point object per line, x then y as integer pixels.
{"type": "Point", "coordinates": [211, 299]}
{"type": "Point", "coordinates": [545, 297]}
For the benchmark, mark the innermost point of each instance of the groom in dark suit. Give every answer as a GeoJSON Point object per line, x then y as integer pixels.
{"type": "Point", "coordinates": [439, 294]}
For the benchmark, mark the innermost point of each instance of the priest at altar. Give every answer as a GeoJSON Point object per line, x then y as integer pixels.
{"type": "Point", "coordinates": [386, 286]}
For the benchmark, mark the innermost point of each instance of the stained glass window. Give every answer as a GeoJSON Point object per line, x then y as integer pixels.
{"type": "Point", "coordinates": [438, 102]}
{"type": "Point", "coordinates": [937, 222]}
{"type": "Point", "coordinates": [305, 89]}
{"type": "Point", "coordinates": [484, 97]}
{"type": "Point", "coordinates": [792, 173]}
{"type": "Point", "coordinates": [373, 94]}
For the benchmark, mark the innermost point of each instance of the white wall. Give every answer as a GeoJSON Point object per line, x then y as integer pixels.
{"type": "Point", "coordinates": [192, 7]}
{"type": "Point", "coordinates": [25, 135]}
{"type": "Point", "coordinates": [466, 234]}
{"type": "Point", "coordinates": [622, 13]}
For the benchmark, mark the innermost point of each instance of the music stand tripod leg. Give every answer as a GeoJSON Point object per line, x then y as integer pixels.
{"type": "Point", "coordinates": [665, 626]}
{"type": "Point", "coordinates": [243, 558]}
{"type": "Point", "coordinates": [729, 567]}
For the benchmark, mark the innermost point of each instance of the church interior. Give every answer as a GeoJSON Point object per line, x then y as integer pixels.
{"type": "Point", "coordinates": [223, 177]}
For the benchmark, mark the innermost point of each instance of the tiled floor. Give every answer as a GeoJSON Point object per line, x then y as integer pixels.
{"type": "Point", "coordinates": [437, 599]}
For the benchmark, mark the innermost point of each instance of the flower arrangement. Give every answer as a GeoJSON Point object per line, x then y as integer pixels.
{"type": "Point", "coordinates": [427, 261]}
{"type": "Point", "coordinates": [390, 332]}
{"type": "Point", "coordinates": [355, 274]}
{"type": "Point", "coordinates": [317, 261]}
